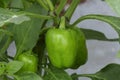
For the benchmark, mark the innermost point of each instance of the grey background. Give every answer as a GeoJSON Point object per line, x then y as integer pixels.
{"type": "Point", "coordinates": [100, 53]}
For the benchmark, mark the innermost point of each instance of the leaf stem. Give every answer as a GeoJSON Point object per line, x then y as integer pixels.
{"type": "Point", "coordinates": [50, 5]}
{"type": "Point", "coordinates": [82, 18]}
{"type": "Point", "coordinates": [92, 16]}
{"type": "Point", "coordinates": [62, 23]}
{"type": "Point", "coordinates": [60, 7]}
{"type": "Point", "coordinates": [71, 9]}
{"type": "Point", "coordinates": [43, 30]}
{"type": "Point", "coordinates": [43, 4]}
{"type": "Point", "coordinates": [38, 15]}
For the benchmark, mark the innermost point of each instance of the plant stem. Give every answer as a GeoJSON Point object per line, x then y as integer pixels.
{"type": "Point", "coordinates": [90, 16]}
{"type": "Point", "coordinates": [43, 30]}
{"type": "Point", "coordinates": [71, 9]}
{"type": "Point", "coordinates": [50, 5]}
{"type": "Point", "coordinates": [38, 15]}
{"type": "Point", "coordinates": [44, 24]}
{"type": "Point", "coordinates": [60, 7]}
{"type": "Point", "coordinates": [62, 23]}
{"type": "Point", "coordinates": [43, 4]}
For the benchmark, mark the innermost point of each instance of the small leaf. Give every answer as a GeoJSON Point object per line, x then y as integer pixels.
{"type": "Point", "coordinates": [2, 67]}
{"type": "Point", "coordinates": [14, 66]}
{"type": "Point", "coordinates": [28, 76]}
{"type": "Point", "coordinates": [109, 72]}
{"type": "Point", "coordinates": [56, 74]}
{"type": "Point", "coordinates": [112, 20]}
{"type": "Point", "coordinates": [6, 16]}
{"type": "Point", "coordinates": [95, 35]}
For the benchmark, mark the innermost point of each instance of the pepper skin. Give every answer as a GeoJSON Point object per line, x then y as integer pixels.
{"type": "Point", "coordinates": [30, 61]}
{"type": "Point", "coordinates": [66, 47]}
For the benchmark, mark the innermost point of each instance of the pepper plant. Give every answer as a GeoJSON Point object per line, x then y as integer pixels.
{"type": "Point", "coordinates": [47, 44]}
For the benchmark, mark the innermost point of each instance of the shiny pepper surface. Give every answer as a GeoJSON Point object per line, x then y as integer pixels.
{"type": "Point", "coordinates": [66, 47]}
{"type": "Point", "coordinates": [30, 61]}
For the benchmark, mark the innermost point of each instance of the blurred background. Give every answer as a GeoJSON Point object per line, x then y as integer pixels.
{"type": "Point", "coordinates": [100, 53]}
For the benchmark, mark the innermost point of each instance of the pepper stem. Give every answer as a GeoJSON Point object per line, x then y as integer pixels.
{"type": "Point", "coordinates": [62, 23]}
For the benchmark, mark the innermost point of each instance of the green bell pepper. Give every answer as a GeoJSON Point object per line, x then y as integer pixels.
{"type": "Point", "coordinates": [66, 47]}
{"type": "Point", "coordinates": [30, 61]}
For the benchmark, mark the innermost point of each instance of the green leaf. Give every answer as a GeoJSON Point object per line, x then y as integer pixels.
{"type": "Point", "coordinates": [27, 76]}
{"type": "Point", "coordinates": [3, 48]}
{"type": "Point", "coordinates": [27, 3]}
{"type": "Point", "coordinates": [6, 16]}
{"type": "Point", "coordinates": [115, 5]}
{"type": "Point", "coordinates": [4, 3]}
{"type": "Point", "coordinates": [2, 31]}
{"type": "Point", "coordinates": [1, 35]}
{"type": "Point", "coordinates": [40, 50]}
{"type": "Point", "coordinates": [17, 4]}
{"type": "Point", "coordinates": [112, 20]}
{"type": "Point", "coordinates": [56, 74]}
{"type": "Point", "coordinates": [74, 78]}
{"type": "Point", "coordinates": [5, 77]}
{"type": "Point", "coordinates": [55, 2]}
{"type": "Point", "coordinates": [2, 67]}
{"type": "Point", "coordinates": [27, 33]}
{"type": "Point", "coordinates": [95, 35]}
{"type": "Point", "coordinates": [5, 40]}
{"type": "Point", "coordinates": [13, 66]}
{"type": "Point", "coordinates": [109, 72]}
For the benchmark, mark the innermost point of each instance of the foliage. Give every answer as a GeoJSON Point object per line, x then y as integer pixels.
{"type": "Point", "coordinates": [26, 22]}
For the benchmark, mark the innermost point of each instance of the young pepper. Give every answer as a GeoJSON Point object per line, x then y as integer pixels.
{"type": "Point", "coordinates": [30, 61]}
